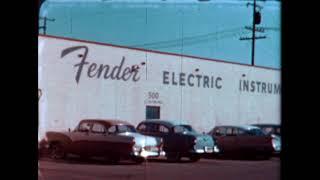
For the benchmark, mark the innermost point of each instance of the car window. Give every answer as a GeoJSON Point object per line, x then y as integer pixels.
{"type": "Point", "coordinates": [268, 130]}
{"type": "Point", "coordinates": [112, 129]}
{"type": "Point", "coordinates": [255, 132]}
{"type": "Point", "coordinates": [163, 129]}
{"type": "Point", "coordinates": [241, 132]}
{"type": "Point", "coordinates": [152, 127]}
{"type": "Point", "coordinates": [220, 131]}
{"type": "Point", "coordinates": [188, 128]}
{"type": "Point", "coordinates": [142, 128]}
{"type": "Point", "coordinates": [84, 127]}
{"type": "Point", "coordinates": [126, 128]}
{"type": "Point", "coordinates": [98, 128]}
{"type": "Point", "coordinates": [235, 131]}
{"type": "Point", "coordinates": [217, 132]}
{"type": "Point", "coordinates": [178, 129]}
{"type": "Point", "coordinates": [229, 132]}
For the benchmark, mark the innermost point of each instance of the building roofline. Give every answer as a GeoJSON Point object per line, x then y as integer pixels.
{"type": "Point", "coordinates": [158, 52]}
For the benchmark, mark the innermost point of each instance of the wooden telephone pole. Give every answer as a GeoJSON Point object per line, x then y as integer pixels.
{"type": "Point", "coordinates": [44, 27]}
{"type": "Point", "coordinates": [256, 19]}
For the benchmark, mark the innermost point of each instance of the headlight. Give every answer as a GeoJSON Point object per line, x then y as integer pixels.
{"type": "Point", "coordinates": [276, 143]}
{"type": "Point", "coordinates": [216, 149]}
{"type": "Point", "coordinates": [136, 148]}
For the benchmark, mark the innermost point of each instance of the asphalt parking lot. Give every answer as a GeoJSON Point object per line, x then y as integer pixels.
{"type": "Point", "coordinates": [159, 169]}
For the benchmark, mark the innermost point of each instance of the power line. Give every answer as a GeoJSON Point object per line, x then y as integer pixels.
{"type": "Point", "coordinates": [194, 39]}
{"type": "Point", "coordinates": [44, 27]}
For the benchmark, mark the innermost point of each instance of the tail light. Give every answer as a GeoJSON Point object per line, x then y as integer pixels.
{"type": "Point", "coordinates": [194, 141]}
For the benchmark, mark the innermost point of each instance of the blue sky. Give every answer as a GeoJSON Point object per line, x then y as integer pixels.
{"type": "Point", "coordinates": [210, 30]}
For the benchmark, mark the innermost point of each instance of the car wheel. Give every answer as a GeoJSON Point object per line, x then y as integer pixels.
{"type": "Point", "coordinates": [173, 157]}
{"type": "Point", "coordinates": [138, 160]}
{"type": "Point", "coordinates": [112, 159]}
{"type": "Point", "coordinates": [267, 156]}
{"type": "Point", "coordinates": [263, 156]}
{"type": "Point", "coordinates": [194, 158]}
{"type": "Point", "coordinates": [57, 151]}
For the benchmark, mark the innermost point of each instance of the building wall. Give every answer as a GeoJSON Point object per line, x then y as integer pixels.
{"type": "Point", "coordinates": [66, 100]}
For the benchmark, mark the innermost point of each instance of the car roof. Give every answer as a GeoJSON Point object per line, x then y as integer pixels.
{"type": "Point", "coordinates": [267, 125]}
{"type": "Point", "coordinates": [107, 122]}
{"type": "Point", "coordinates": [245, 127]}
{"type": "Point", "coordinates": [169, 123]}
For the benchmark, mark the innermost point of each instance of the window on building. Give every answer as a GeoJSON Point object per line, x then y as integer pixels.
{"type": "Point", "coordinates": [153, 112]}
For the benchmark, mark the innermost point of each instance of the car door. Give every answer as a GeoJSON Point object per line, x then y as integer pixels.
{"type": "Point", "coordinates": [219, 134]}
{"type": "Point", "coordinates": [165, 133]}
{"type": "Point", "coordinates": [229, 141]}
{"type": "Point", "coordinates": [98, 139]}
{"type": "Point", "coordinates": [156, 130]}
{"type": "Point", "coordinates": [240, 143]}
{"type": "Point", "coordinates": [118, 144]}
{"type": "Point", "coordinates": [180, 141]}
{"type": "Point", "coordinates": [80, 144]}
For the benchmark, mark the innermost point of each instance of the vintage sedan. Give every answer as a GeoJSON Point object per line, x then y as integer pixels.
{"type": "Point", "coordinates": [273, 130]}
{"type": "Point", "coordinates": [179, 139]}
{"type": "Point", "coordinates": [242, 140]}
{"type": "Point", "coordinates": [112, 139]}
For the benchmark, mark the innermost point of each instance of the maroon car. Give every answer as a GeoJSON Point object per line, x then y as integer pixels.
{"type": "Point", "coordinates": [111, 139]}
{"type": "Point", "coordinates": [242, 140]}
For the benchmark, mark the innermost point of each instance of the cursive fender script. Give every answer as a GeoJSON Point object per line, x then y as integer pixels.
{"type": "Point", "coordinates": [93, 70]}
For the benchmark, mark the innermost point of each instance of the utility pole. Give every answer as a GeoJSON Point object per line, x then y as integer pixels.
{"type": "Point", "coordinates": [44, 27]}
{"type": "Point", "coordinates": [256, 19]}
{"type": "Point", "coordinates": [253, 32]}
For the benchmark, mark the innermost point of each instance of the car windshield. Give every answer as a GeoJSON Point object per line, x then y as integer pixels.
{"type": "Point", "coordinates": [278, 132]}
{"type": "Point", "coordinates": [183, 128]}
{"type": "Point", "coordinates": [268, 130]}
{"type": "Point", "coordinates": [126, 128]}
{"type": "Point", "coordinates": [255, 132]}
{"type": "Point", "coordinates": [271, 130]}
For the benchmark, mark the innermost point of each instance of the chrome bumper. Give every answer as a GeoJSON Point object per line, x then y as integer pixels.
{"type": "Point", "coordinates": [206, 149]}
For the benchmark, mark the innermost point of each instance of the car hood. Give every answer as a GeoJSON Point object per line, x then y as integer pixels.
{"type": "Point", "coordinates": [142, 140]}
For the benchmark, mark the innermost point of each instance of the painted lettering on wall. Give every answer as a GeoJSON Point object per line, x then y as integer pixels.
{"type": "Point", "coordinates": [191, 80]}
{"type": "Point", "coordinates": [259, 86]}
{"type": "Point", "coordinates": [105, 71]}
{"type": "Point", "coordinates": [153, 98]}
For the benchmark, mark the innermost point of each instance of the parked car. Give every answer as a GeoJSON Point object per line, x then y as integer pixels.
{"type": "Point", "coordinates": [112, 139]}
{"type": "Point", "coordinates": [242, 140]}
{"type": "Point", "coordinates": [179, 139]}
{"type": "Point", "coordinates": [273, 130]}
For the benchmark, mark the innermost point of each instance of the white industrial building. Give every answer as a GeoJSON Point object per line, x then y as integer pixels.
{"type": "Point", "coordinates": [81, 80]}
